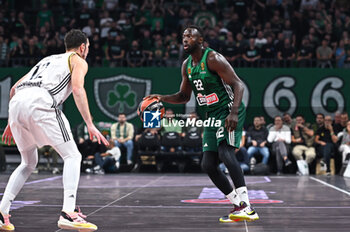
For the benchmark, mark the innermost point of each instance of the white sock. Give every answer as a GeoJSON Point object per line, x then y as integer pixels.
{"type": "Point", "coordinates": [243, 194]}
{"type": "Point", "coordinates": [6, 203]}
{"type": "Point", "coordinates": [69, 199]}
{"type": "Point", "coordinates": [234, 198]}
{"type": "Point", "coordinates": [71, 174]}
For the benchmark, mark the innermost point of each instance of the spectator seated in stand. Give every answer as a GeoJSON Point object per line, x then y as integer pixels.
{"type": "Point", "coordinates": [109, 161]}
{"type": "Point", "coordinates": [344, 137]}
{"type": "Point", "coordinates": [135, 56]}
{"type": "Point", "coordinates": [324, 55]}
{"type": "Point", "coordinates": [325, 139]}
{"type": "Point", "coordinates": [122, 134]}
{"type": "Point", "coordinates": [87, 147]}
{"type": "Point", "coordinates": [256, 142]}
{"type": "Point", "coordinates": [288, 120]}
{"type": "Point", "coordinates": [319, 122]}
{"type": "Point", "coordinates": [304, 54]}
{"type": "Point", "coordinates": [303, 140]}
{"type": "Point", "coordinates": [279, 136]}
{"type": "Point", "coordinates": [343, 120]}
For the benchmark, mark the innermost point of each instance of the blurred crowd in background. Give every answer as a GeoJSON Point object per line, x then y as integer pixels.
{"type": "Point", "coordinates": [137, 33]}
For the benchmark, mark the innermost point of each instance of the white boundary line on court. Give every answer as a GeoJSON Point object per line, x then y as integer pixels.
{"type": "Point", "coordinates": [246, 226]}
{"type": "Point", "coordinates": [330, 185]}
{"type": "Point", "coordinates": [120, 198]}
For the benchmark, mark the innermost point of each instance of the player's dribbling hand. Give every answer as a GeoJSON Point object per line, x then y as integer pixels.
{"type": "Point", "coordinates": [7, 136]}
{"type": "Point", "coordinates": [93, 132]}
{"type": "Point", "coordinates": [231, 122]}
{"type": "Point", "coordinates": [157, 96]}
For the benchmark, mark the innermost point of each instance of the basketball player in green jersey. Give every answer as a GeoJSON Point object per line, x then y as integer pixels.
{"type": "Point", "coordinates": [218, 91]}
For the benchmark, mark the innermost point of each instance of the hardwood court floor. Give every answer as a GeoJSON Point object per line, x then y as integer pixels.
{"type": "Point", "coordinates": [185, 202]}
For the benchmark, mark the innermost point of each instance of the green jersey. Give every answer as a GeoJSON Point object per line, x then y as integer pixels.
{"type": "Point", "coordinates": [215, 99]}
{"type": "Point", "coordinates": [210, 91]}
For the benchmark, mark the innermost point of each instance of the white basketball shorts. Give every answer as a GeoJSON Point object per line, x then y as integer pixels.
{"type": "Point", "coordinates": [34, 121]}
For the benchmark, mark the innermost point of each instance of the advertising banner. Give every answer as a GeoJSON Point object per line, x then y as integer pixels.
{"type": "Point", "coordinates": [268, 92]}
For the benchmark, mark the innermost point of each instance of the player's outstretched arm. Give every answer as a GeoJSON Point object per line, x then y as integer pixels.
{"type": "Point", "coordinates": [181, 97]}
{"type": "Point", "coordinates": [217, 63]}
{"type": "Point", "coordinates": [79, 70]}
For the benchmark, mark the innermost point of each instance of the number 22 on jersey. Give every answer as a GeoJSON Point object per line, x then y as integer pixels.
{"type": "Point", "coordinates": [199, 85]}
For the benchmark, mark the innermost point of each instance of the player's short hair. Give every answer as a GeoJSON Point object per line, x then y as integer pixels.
{"type": "Point", "coordinates": [74, 38]}
{"type": "Point", "coordinates": [200, 31]}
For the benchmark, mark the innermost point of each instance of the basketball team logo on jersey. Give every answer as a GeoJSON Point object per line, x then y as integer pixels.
{"type": "Point", "coordinates": [203, 68]}
{"type": "Point", "coordinates": [212, 98]}
{"type": "Point", "coordinates": [189, 73]}
{"type": "Point", "coordinates": [207, 100]}
{"type": "Point", "coordinates": [201, 99]}
{"type": "Point", "coordinates": [120, 94]}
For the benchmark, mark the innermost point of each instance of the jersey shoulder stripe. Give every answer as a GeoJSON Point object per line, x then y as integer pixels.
{"type": "Point", "coordinates": [61, 85]}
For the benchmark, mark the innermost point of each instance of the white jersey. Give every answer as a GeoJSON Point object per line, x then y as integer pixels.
{"type": "Point", "coordinates": [52, 73]}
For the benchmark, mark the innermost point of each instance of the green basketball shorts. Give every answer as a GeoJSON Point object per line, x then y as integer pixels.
{"type": "Point", "coordinates": [214, 135]}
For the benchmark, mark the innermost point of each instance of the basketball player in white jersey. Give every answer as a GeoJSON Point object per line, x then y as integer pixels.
{"type": "Point", "coordinates": [35, 120]}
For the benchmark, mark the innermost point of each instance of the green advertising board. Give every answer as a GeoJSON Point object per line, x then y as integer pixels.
{"type": "Point", "coordinates": [268, 92]}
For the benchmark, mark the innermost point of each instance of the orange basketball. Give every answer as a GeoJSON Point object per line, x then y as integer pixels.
{"type": "Point", "coordinates": [150, 105]}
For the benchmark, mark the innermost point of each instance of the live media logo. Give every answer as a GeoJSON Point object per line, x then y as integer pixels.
{"type": "Point", "coordinates": [151, 119]}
